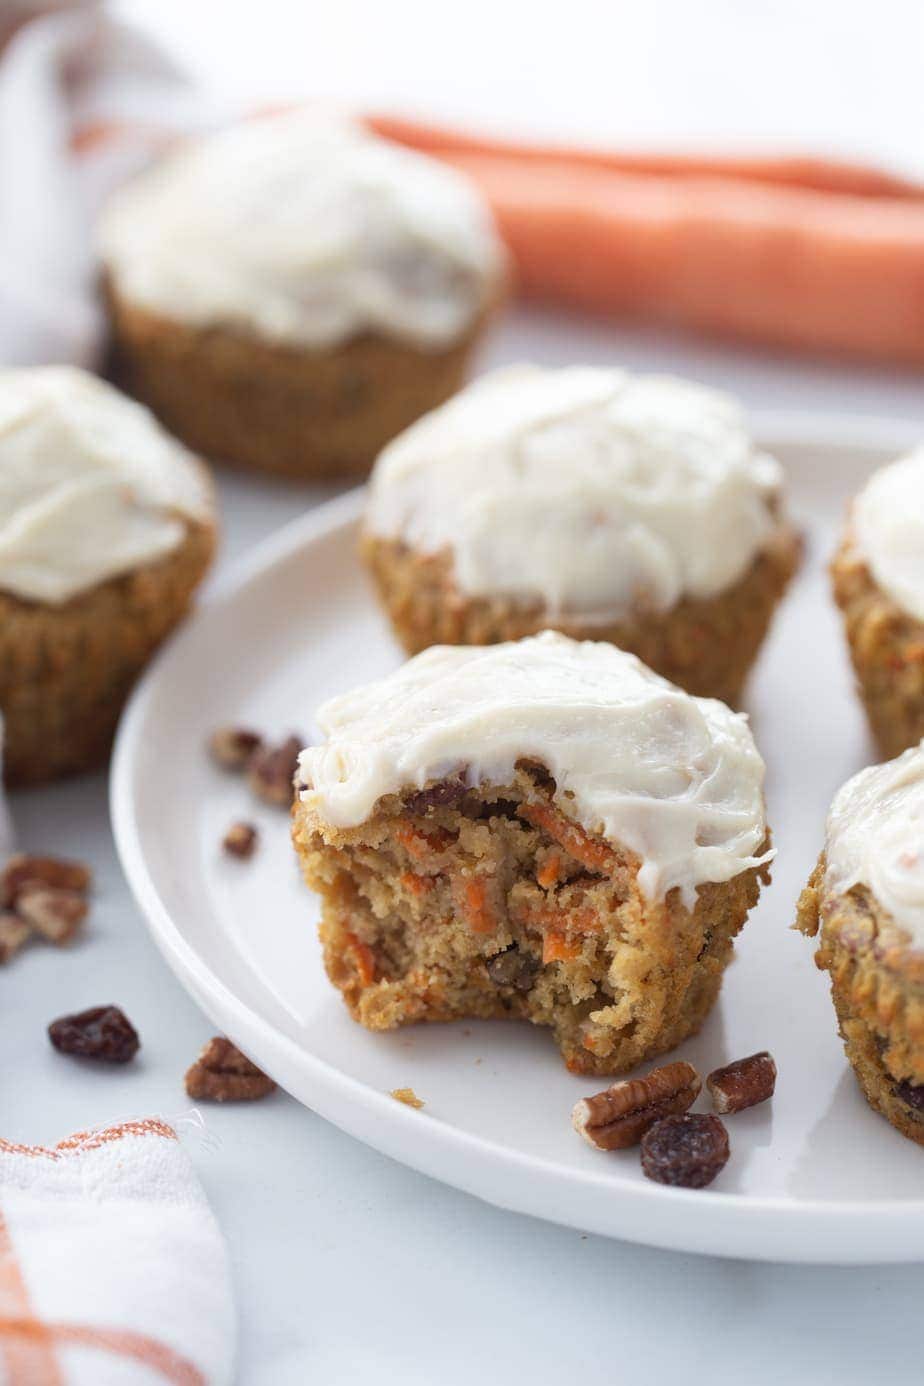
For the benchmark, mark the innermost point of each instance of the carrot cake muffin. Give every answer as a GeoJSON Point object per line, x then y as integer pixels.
{"type": "Point", "coordinates": [106, 528]}
{"type": "Point", "coordinates": [290, 293]}
{"type": "Point", "coordinates": [633, 509]}
{"type": "Point", "coordinates": [542, 829]}
{"type": "Point", "coordinates": [878, 579]}
{"type": "Point", "coordinates": [866, 898]}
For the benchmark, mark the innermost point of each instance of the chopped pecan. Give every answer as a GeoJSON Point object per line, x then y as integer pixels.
{"type": "Point", "coordinates": [13, 934]}
{"type": "Point", "coordinates": [22, 870]}
{"type": "Point", "coordinates": [271, 772]}
{"type": "Point", "coordinates": [686, 1151]}
{"type": "Point", "coordinates": [232, 747]}
{"type": "Point", "coordinates": [223, 1074]}
{"type": "Point", "coordinates": [743, 1083]}
{"type": "Point", "coordinates": [103, 1032]}
{"type": "Point", "coordinates": [240, 840]}
{"type": "Point", "coordinates": [438, 795]}
{"type": "Point", "coordinates": [620, 1116]}
{"type": "Point", "coordinates": [513, 968]}
{"type": "Point", "coordinates": [55, 914]}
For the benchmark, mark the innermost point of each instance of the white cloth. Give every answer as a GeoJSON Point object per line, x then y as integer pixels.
{"type": "Point", "coordinates": [113, 1271]}
{"type": "Point", "coordinates": [64, 74]}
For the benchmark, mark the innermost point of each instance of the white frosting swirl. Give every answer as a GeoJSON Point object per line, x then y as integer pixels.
{"type": "Point", "coordinates": [90, 485]}
{"type": "Point", "coordinates": [595, 491]}
{"type": "Point", "coordinates": [677, 780]}
{"type": "Point", "coordinates": [888, 530]}
{"type": "Point", "coordinates": [306, 229]}
{"type": "Point", "coordinates": [876, 838]}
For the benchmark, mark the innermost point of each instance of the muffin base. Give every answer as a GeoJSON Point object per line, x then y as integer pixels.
{"type": "Point", "coordinates": [499, 906]}
{"type": "Point", "coordinates": [66, 671]}
{"type": "Point", "coordinates": [887, 651]}
{"type": "Point", "coordinates": [302, 413]}
{"type": "Point", "coordinates": [705, 645]}
{"type": "Point", "coordinates": [877, 986]}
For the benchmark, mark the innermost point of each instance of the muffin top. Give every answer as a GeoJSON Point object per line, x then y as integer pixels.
{"type": "Point", "coordinates": [90, 484]}
{"type": "Point", "coordinates": [888, 530]}
{"type": "Point", "coordinates": [597, 492]}
{"type": "Point", "coordinates": [876, 838]}
{"type": "Point", "coordinates": [677, 780]}
{"type": "Point", "coordinates": [304, 228]}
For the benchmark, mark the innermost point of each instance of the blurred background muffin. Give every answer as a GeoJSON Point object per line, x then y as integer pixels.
{"type": "Point", "coordinates": [290, 293]}
{"type": "Point", "coordinates": [878, 579]}
{"type": "Point", "coordinates": [106, 529]}
{"type": "Point", "coordinates": [610, 507]}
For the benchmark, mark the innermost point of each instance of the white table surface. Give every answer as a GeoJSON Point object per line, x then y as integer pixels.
{"type": "Point", "coordinates": [348, 1267]}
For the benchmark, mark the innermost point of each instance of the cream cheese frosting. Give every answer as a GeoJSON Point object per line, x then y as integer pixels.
{"type": "Point", "coordinates": [594, 491]}
{"type": "Point", "coordinates": [90, 485]}
{"type": "Point", "coordinates": [306, 229]}
{"type": "Point", "coordinates": [676, 779]}
{"type": "Point", "coordinates": [888, 530]}
{"type": "Point", "coordinates": [875, 838]}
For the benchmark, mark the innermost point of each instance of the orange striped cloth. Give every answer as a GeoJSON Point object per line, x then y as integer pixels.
{"type": "Point", "coordinates": [112, 1266]}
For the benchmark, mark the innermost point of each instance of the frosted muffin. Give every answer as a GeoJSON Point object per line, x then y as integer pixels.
{"type": "Point", "coordinates": [290, 293]}
{"type": "Point", "coordinates": [106, 528]}
{"type": "Point", "coordinates": [610, 507]}
{"type": "Point", "coordinates": [878, 580]}
{"type": "Point", "coordinates": [544, 830]}
{"type": "Point", "coordinates": [866, 899]}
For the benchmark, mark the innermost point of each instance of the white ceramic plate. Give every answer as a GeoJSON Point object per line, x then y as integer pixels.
{"type": "Point", "coordinates": [814, 1176]}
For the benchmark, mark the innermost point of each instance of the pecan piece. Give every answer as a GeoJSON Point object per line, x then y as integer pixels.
{"type": "Point", "coordinates": [103, 1032]}
{"type": "Point", "coordinates": [13, 934]}
{"type": "Point", "coordinates": [22, 870]}
{"type": "Point", "coordinates": [743, 1083]}
{"type": "Point", "coordinates": [55, 914]}
{"type": "Point", "coordinates": [271, 772]}
{"type": "Point", "coordinates": [240, 840]}
{"type": "Point", "coordinates": [232, 747]}
{"type": "Point", "coordinates": [223, 1074]}
{"type": "Point", "coordinates": [619, 1116]}
{"type": "Point", "coordinates": [685, 1151]}
{"type": "Point", "coordinates": [513, 968]}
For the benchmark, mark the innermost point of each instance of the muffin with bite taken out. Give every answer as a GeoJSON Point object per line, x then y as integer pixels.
{"type": "Point", "coordinates": [542, 829]}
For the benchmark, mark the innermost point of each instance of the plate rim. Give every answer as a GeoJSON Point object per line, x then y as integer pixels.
{"type": "Point", "coordinates": [710, 1224]}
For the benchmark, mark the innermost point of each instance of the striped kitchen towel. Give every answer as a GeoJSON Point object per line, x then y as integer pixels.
{"type": "Point", "coordinates": [113, 1271]}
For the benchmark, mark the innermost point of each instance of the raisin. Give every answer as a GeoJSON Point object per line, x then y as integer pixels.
{"type": "Point", "coordinates": [513, 969]}
{"type": "Point", "coordinates": [912, 1094]}
{"type": "Point", "coordinates": [103, 1032]}
{"type": "Point", "coordinates": [687, 1151]}
{"type": "Point", "coordinates": [438, 795]}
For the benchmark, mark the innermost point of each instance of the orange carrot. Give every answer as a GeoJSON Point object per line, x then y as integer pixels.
{"type": "Point", "coordinates": [364, 959]}
{"type": "Point", "coordinates": [414, 884]}
{"type": "Point", "coordinates": [557, 948]}
{"type": "Point", "coordinates": [596, 856]}
{"type": "Point", "coordinates": [805, 255]}
{"type": "Point", "coordinates": [547, 874]}
{"type": "Point", "coordinates": [419, 844]}
{"type": "Point", "coordinates": [476, 906]}
{"type": "Point", "coordinates": [799, 171]}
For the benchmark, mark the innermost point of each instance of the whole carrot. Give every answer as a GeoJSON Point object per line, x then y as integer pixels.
{"type": "Point", "coordinates": [830, 260]}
